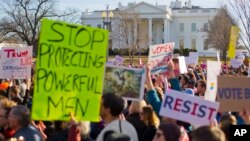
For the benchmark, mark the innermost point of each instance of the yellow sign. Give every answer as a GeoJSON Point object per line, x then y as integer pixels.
{"type": "Point", "coordinates": [69, 72]}
{"type": "Point", "coordinates": [233, 38]}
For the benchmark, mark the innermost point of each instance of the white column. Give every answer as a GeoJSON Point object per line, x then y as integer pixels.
{"type": "Point", "coordinates": [169, 31]}
{"type": "Point", "coordinates": [150, 32]}
{"type": "Point", "coordinates": [166, 30]}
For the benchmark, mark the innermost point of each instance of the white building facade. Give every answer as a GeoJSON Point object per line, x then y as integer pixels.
{"type": "Point", "coordinates": [185, 25]}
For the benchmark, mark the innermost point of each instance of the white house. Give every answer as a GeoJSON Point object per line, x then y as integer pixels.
{"type": "Point", "coordinates": [180, 22]}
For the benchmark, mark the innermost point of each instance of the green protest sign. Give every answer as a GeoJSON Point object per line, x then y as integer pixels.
{"type": "Point", "coordinates": [69, 72]}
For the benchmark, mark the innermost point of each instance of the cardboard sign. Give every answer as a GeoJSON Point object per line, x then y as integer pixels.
{"type": "Point", "coordinates": [188, 108]}
{"type": "Point", "coordinates": [236, 63]}
{"type": "Point", "coordinates": [16, 62]}
{"type": "Point", "coordinates": [212, 72]}
{"type": "Point", "coordinates": [233, 93]}
{"type": "Point", "coordinates": [159, 56]}
{"type": "Point", "coordinates": [70, 70]}
{"type": "Point", "coordinates": [125, 82]}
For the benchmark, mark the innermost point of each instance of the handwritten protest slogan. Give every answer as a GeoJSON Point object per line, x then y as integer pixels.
{"type": "Point", "coordinates": [16, 62]}
{"type": "Point", "coordinates": [159, 56]}
{"type": "Point", "coordinates": [70, 69]}
{"type": "Point", "coordinates": [233, 93]}
{"type": "Point", "coordinates": [188, 108]}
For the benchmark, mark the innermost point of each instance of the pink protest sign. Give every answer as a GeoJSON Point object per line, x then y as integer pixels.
{"type": "Point", "coordinates": [16, 62]}
{"type": "Point", "coordinates": [159, 56]}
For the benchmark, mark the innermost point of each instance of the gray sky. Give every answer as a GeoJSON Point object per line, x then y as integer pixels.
{"type": "Point", "coordinates": [92, 5]}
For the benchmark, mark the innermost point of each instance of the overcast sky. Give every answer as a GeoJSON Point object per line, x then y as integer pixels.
{"type": "Point", "coordinates": [92, 5]}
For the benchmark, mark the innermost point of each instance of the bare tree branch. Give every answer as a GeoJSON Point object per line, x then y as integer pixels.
{"type": "Point", "coordinates": [131, 32]}
{"type": "Point", "coordinates": [219, 31]}
{"type": "Point", "coordinates": [241, 9]}
{"type": "Point", "coordinates": [22, 18]}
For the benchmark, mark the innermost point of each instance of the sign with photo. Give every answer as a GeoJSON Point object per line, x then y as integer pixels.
{"type": "Point", "coordinates": [124, 81]}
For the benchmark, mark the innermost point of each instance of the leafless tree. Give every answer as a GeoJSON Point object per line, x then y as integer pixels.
{"type": "Point", "coordinates": [22, 18]}
{"type": "Point", "coordinates": [219, 31]}
{"type": "Point", "coordinates": [131, 32]}
{"type": "Point", "coordinates": [241, 9]}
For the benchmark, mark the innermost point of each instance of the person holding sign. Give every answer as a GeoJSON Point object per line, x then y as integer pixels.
{"type": "Point", "coordinates": [19, 120]}
{"type": "Point", "coordinates": [152, 96]}
{"type": "Point", "coordinates": [111, 108]}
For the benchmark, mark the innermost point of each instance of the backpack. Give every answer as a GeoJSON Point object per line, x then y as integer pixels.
{"type": "Point", "coordinates": [115, 136]}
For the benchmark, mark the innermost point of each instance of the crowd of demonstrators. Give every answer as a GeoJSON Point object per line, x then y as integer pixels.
{"type": "Point", "coordinates": [140, 121]}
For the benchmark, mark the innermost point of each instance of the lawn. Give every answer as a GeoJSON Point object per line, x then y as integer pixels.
{"type": "Point", "coordinates": [145, 59]}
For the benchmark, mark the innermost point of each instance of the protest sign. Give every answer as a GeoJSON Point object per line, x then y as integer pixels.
{"type": "Point", "coordinates": [248, 71]}
{"type": "Point", "coordinates": [118, 60]}
{"type": "Point", "coordinates": [182, 65]}
{"type": "Point", "coordinates": [233, 39]}
{"type": "Point", "coordinates": [212, 72]}
{"type": "Point", "coordinates": [159, 56]}
{"type": "Point", "coordinates": [233, 93]}
{"type": "Point", "coordinates": [70, 70]}
{"type": "Point", "coordinates": [218, 56]}
{"type": "Point", "coordinates": [236, 63]}
{"type": "Point", "coordinates": [125, 82]}
{"type": "Point", "coordinates": [188, 108]}
{"type": "Point", "coordinates": [15, 62]}
{"type": "Point", "coordinates": [192, 59]}
{"type": "Point", "coordinates": [239, 55]}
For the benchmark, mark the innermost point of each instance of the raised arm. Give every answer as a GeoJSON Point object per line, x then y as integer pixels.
{"type": "Point", "coordinates": [149, 82]}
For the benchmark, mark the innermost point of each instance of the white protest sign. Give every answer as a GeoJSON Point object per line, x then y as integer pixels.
{"type": "Point", "coordinates": [194, 56]}
{"type": "Point", "coordinates": [159, 56]}
{"type": "Point", "coordinates": [16, 62]}
{"type": "Point", "coordinates": [182, 64]}
{"type": "Point", "coordinates": [248, 71]}
{"type": "Point", "coordinates": [239, 55]}
{"type": "Point", "coordinates": [188, 108]}
{"type": "Point", "coordinates": [218, 56]}
{"type": "Point", "coordinates": [212, 72]}
{"type": "Point", "coordinates": [236, 63]}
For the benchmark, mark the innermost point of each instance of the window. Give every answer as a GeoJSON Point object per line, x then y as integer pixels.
{"type": "Point", "coordinates": [205, 44]}
{"type": "Point", "coordinates": [99, 26]}
{"type": "Point", "coordinates": [181, 43]}
{"type": "Point", "coordinates": [181, 11]}
{"type": "Point", "coordinates": [206, 10]}
{"type": "Point", "coordinates": [193, 44]}
{"type": "Point", "coordinates": [181, 28]}
{"type": "Point", "coordinates": [205, 27]}
{"type": "Point", "coordinates": [193, 27]}
{"type": "Point", "coordinates": [193, 11]}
